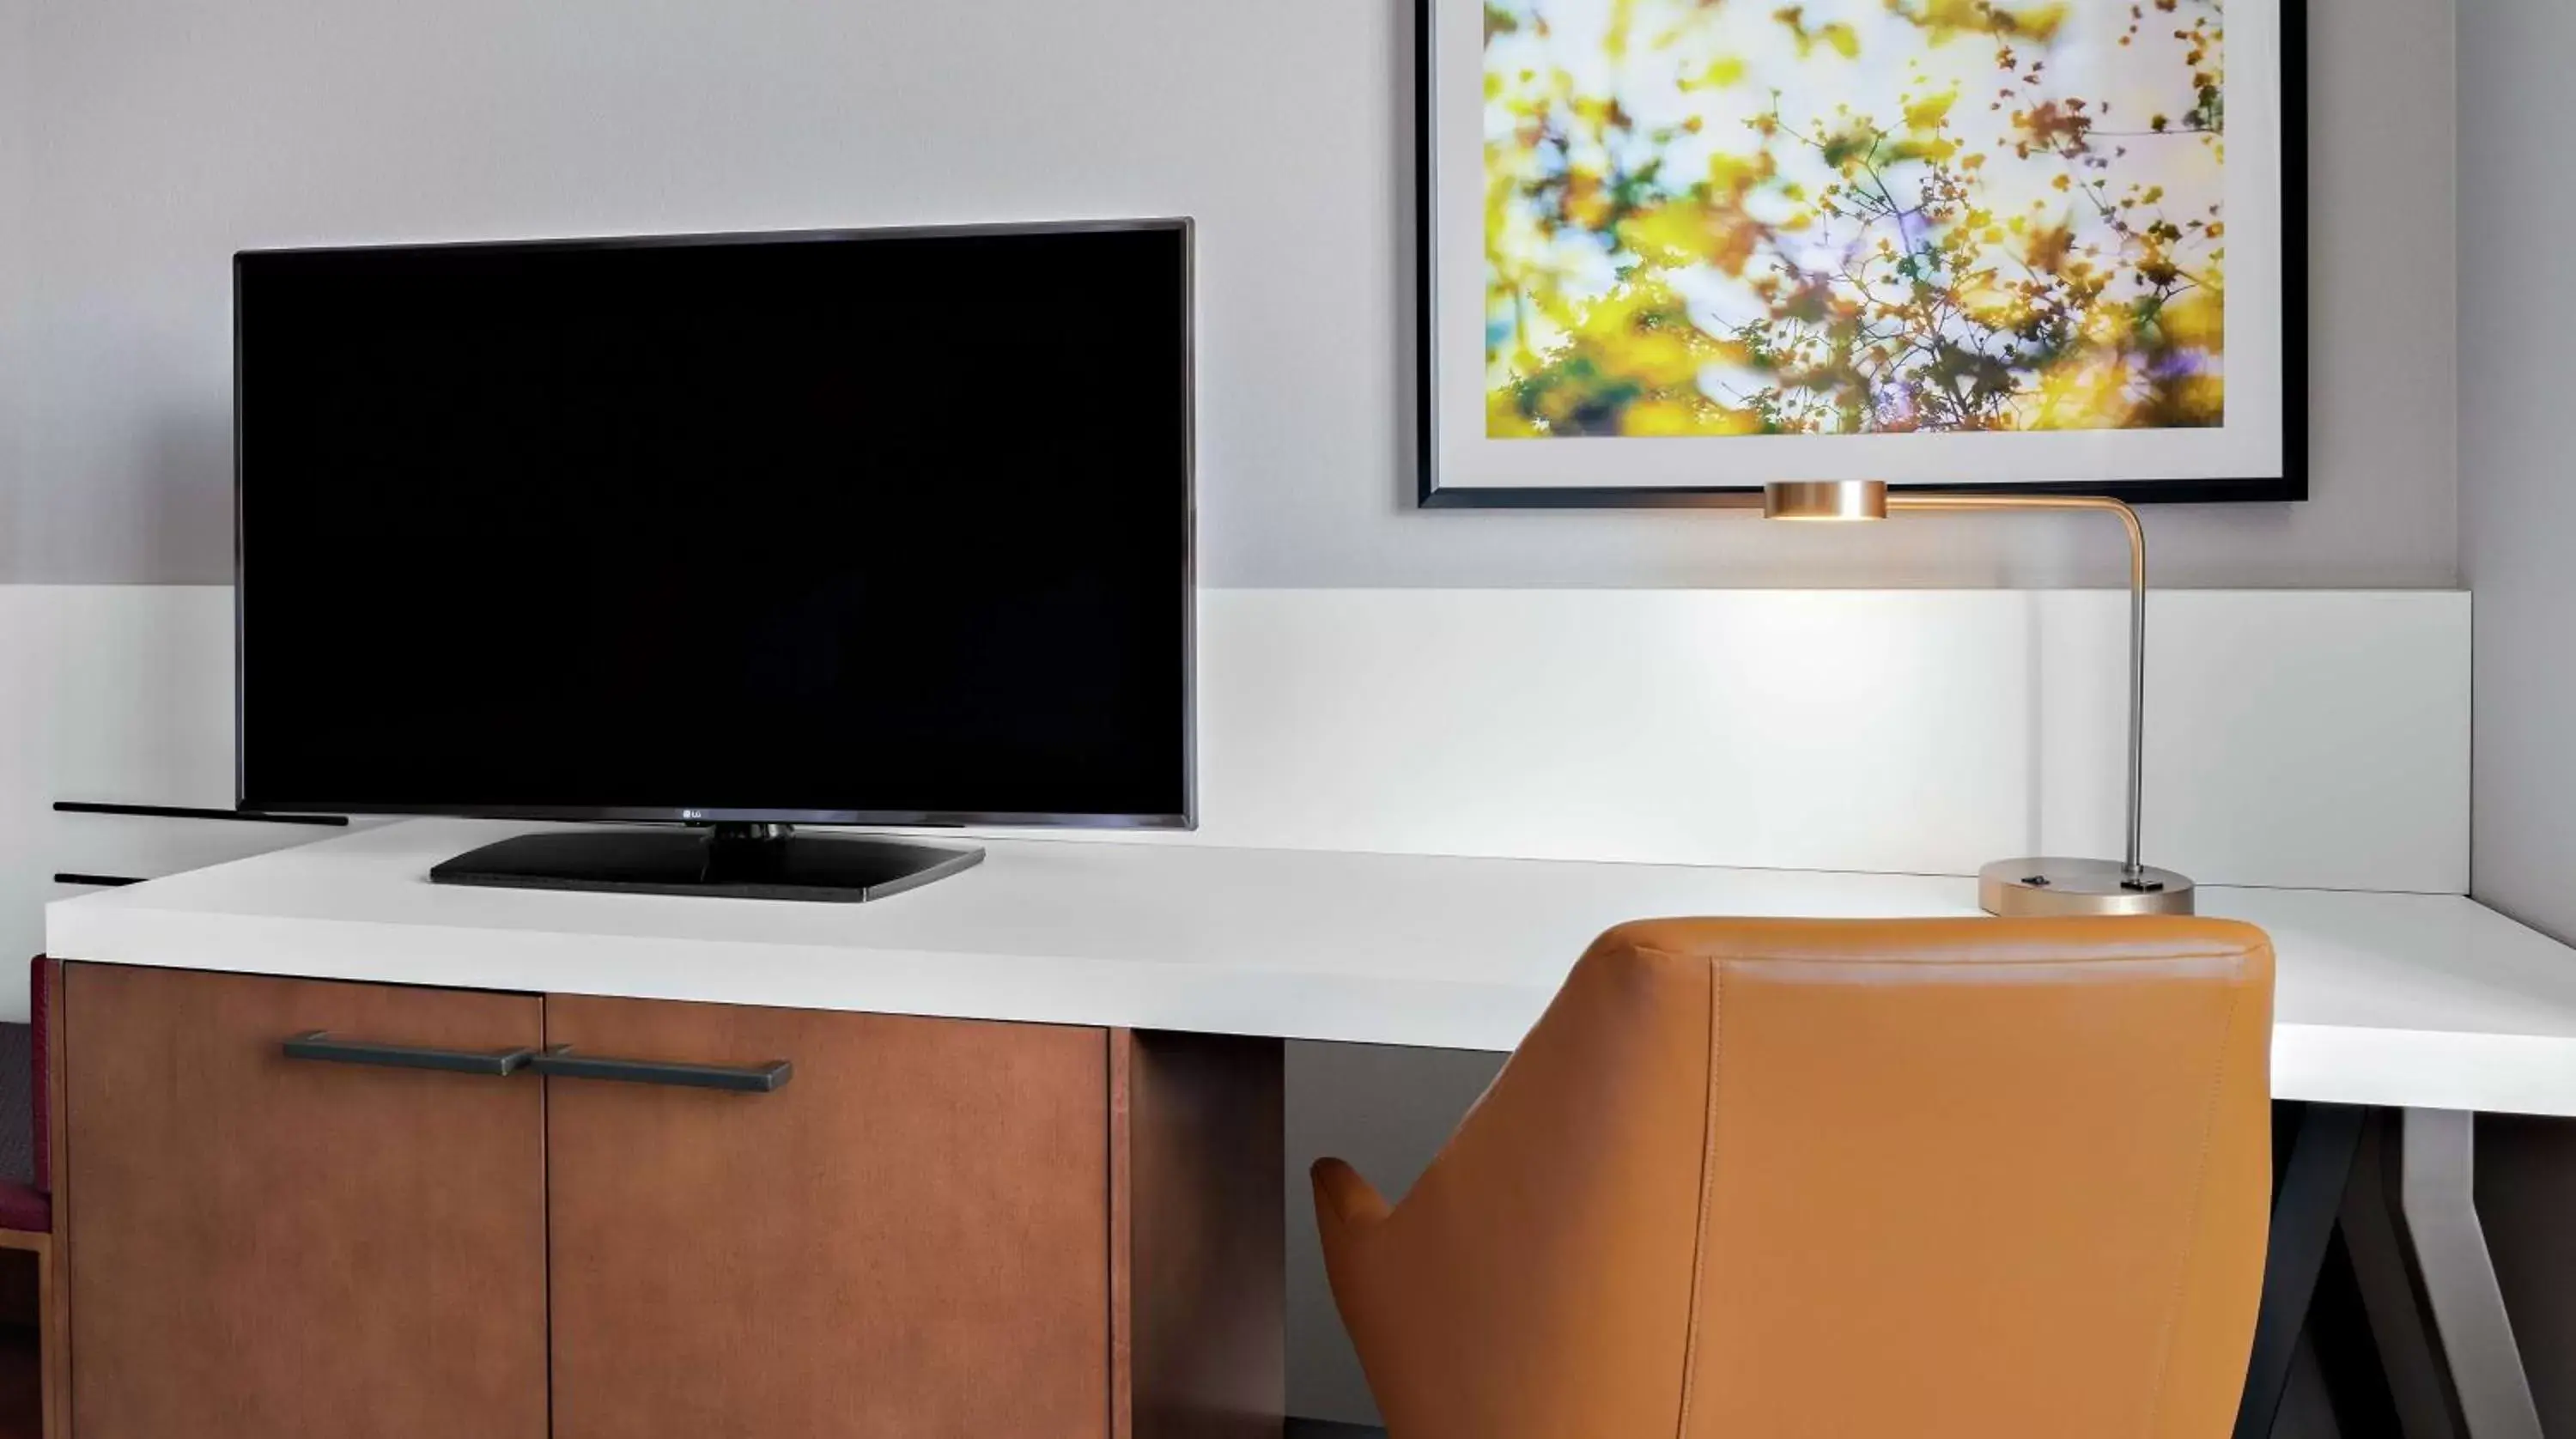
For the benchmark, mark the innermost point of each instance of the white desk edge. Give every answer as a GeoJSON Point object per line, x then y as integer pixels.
{"type": "Point", "coordinates": [2419, 1001]}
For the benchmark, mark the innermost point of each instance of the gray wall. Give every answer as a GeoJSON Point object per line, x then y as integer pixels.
{"type": "Point", "coordinates": [168, 133]}
{"type": "Point", "coordinates": [2518, 509]}
{"type": "Point", "coordinates": [2518, 520]}
{"type": "Point", "coordinates": [17, 114]}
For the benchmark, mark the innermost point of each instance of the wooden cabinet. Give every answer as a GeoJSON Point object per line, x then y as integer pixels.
{"type": "Point", "coordinates": [911, 1237]}
{"type": "Point", "coordinates": [260, 1246]}
{"type": "Point", "coordinates": [933, 1227]}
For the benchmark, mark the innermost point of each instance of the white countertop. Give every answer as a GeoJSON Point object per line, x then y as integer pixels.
{"type": "Point", "coordinates": [2429, 1001]}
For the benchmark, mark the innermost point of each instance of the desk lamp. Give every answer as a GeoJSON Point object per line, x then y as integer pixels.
{"type": "Point", "coordinates": [2043, 886]}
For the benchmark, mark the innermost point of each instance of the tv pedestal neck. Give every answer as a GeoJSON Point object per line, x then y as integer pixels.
{"type": "Point", "coordinates": [730, 861]}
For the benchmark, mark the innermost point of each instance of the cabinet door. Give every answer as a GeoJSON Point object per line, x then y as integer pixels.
{"type": "Point", "coordinates": [907, 1240]}
{"type": "Point", "coordinates": [264, 1246]}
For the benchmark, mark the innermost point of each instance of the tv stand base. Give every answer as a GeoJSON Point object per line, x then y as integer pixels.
{"type": "Point", "coordinates": [731, 861]}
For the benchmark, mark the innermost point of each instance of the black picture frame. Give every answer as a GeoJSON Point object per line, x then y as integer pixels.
{"type": "Point", "coordinates": [2290, 486]}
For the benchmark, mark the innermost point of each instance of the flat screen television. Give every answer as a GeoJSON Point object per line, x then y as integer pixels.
{"type": "Point", "coordinates": [738, 532]}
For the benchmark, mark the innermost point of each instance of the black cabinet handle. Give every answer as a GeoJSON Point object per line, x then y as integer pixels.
{"type": "Point", "coordinates": [319, 1045]}
{"type": "Point", "coordinates": [561, 1063]}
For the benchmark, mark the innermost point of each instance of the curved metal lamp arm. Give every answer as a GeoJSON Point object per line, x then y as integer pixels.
{"type": "Point", "coordinates": [2134, 867]}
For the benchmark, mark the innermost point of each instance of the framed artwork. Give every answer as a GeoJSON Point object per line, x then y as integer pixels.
{"type": "Point", "coordinates": [1674, 249]}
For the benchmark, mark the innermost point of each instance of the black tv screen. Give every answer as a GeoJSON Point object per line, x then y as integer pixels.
{"type": "Point", "coordinates": [866, 527]}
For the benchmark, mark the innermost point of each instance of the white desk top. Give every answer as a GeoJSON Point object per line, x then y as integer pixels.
{"type": "Point", "coordinates": [2428, 1001]}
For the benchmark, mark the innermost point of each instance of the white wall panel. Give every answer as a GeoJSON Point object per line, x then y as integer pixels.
{"type": "Point", "coordinates": [1834, 730]}
{"type": "Point", "coordinates": [2302, 739]}
{"type": "Point", "coordinates": [2295, 738]}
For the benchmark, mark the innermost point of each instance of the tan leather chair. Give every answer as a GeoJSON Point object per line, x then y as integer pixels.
{"type": "Point", "coordinates": [1991, 1179]}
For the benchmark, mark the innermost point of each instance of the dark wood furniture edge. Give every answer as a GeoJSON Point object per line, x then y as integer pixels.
{"type": "Point", "coordinates": [1122, 1289]}
{"type": "Point", "coordinates": [1199, 1236]}
{"type": "Point", "coordinates": [58, 1316]}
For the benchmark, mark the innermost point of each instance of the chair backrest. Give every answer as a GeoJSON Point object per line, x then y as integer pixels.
{"type": "Point", "coordinates": [1970, 1178]}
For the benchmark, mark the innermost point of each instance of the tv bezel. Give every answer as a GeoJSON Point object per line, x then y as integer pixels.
{"type": "Point", "coordinates": [246, 801]}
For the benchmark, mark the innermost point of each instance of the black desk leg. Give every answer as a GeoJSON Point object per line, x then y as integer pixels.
{"type": "Point", "coordinates": [2303, 1223]}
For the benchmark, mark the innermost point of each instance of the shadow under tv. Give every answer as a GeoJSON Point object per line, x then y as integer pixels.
{"type": "Point", "coordinates": [730, 861]}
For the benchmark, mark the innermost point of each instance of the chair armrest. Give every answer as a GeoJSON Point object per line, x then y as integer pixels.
{"type": "Point", "coordinates": [1344, 1200]}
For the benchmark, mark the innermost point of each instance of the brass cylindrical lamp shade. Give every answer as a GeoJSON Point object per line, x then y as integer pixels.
{"type": "Point", "coordinates": [2033, 886]}
{"type": "Point", "coordinates": [1825, 500]}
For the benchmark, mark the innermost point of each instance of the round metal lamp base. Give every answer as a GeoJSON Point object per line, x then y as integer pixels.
{"type": "Point", "coordinates": [2079, 886]}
